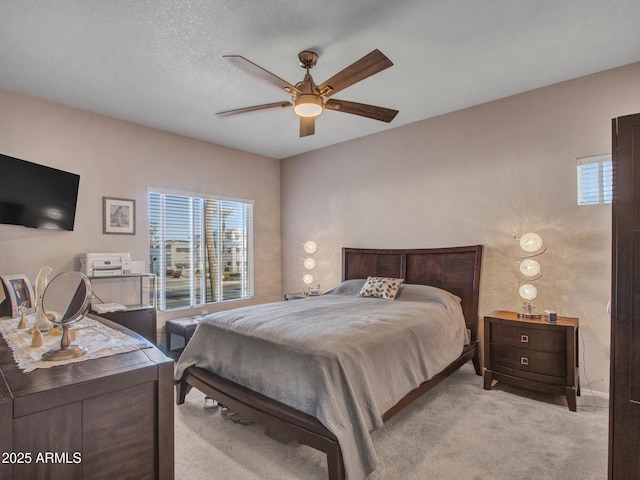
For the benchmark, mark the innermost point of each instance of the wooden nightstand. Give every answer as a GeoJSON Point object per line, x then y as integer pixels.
{"type": "Point", "coordinates": [532, 353]}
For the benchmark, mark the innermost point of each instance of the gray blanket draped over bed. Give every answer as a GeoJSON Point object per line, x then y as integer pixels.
{"type": "Point", "coordinates": [341, 358]}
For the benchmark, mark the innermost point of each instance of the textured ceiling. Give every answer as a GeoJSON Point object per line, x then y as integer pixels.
{"type": "Point", "coordinates": [159, 62]}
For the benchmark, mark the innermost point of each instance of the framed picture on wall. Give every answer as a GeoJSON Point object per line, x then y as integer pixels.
{"type": "Point", "coordinates": [118, 216]}
{"type": "Point", "coordinates": [18, 292]}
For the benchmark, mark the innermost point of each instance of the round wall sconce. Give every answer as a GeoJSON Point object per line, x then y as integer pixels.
{"type": "Point", "coordinates": [310, 247]}
{"type": "Point", "coordinates": [531, 242]}
{"type": "Point", "coordinates": [530, 268]}
{"type": "Point", "coordinates": [528, 292]}
{"type": "Point", "coordinates": [309, 263]}
{"type": "Point", "coordinates": [307, 278]}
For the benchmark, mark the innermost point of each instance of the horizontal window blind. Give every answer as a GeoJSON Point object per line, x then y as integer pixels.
{"type": "Point", "coordinates": [594, 180]}
{"type": "Point", "coordinates": [200, 248]}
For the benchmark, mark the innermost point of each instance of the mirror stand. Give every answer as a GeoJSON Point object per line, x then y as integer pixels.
{"type": "Point", "coordinates": [66, 350]}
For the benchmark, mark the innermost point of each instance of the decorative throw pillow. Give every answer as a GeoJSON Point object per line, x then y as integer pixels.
{"type": "Point", "coordinates": [381, 287]}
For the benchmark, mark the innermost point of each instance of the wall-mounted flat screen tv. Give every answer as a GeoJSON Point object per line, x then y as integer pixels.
{"type": "Point", "coordinates": [37, 196]}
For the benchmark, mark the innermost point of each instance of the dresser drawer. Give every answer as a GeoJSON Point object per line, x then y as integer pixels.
{"type": "Point", "coordinates": [549, 339]}
{"type": "Point", "coordinates": [525, 360]}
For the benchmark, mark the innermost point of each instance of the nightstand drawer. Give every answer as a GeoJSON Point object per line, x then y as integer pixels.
{"type": "Point", "coordinates": [544, 363]}
{"type": "Point", "coordinates": [549, 339]}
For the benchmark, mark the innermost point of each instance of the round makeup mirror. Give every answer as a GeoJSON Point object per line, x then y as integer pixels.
{"type": "Point", "coordinates": [65, 301]}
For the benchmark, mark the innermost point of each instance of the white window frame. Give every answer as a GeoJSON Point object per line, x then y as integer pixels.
{"type": "Point", "coordinates": [247, 286]}
{"type": "Point", "coordinates": [594, 180]}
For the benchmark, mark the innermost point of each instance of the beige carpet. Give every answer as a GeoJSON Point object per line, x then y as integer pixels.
{"type": "Point", "coordinates": [457, 431]}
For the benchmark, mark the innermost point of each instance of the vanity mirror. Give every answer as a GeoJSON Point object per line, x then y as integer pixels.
{"type": "Point", "coordinates": [65, 301]}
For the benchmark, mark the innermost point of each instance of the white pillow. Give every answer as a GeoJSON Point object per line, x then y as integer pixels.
{"type": "Point", "coordinates": [381, 287]}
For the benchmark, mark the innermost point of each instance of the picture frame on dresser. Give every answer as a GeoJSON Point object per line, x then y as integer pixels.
{"type": "Point", "coordinates": [18, 292]}
{"type": "Point", "coordinates": [118, 216]}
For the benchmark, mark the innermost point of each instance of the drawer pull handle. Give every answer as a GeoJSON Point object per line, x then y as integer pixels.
{"type": "Point", "coordinates": [524, 360]}
{"type": "Point", "coordinates": [524, 338]}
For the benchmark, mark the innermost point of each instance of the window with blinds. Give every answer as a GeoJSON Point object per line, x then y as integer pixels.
{"type": "Point", "coordinates": [594, 180]}
{"type": "Point", "coordinates": [200, 247]}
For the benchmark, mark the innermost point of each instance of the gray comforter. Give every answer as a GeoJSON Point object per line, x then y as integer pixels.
{"type": "Point", "coordinates": [341, 358]}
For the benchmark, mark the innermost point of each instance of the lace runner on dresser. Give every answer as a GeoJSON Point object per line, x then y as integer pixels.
{"type": "Point", "coordinates": [97, 338]}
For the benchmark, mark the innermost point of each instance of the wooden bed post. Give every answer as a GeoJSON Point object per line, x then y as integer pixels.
{"type": "Point", "coordinates": [335, 464]}
{"type": "Point", "coordinates": [182, 388]}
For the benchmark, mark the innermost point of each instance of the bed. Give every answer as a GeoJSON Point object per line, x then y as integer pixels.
{"type": "Point", "coordinates": [263, 361]}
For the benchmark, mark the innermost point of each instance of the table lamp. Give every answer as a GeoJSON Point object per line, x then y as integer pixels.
{"type": "Point", "coordinates": [532, 244]}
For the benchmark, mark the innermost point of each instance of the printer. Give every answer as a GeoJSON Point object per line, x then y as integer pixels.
{"type": "Point", "coordinates": [105, 264]}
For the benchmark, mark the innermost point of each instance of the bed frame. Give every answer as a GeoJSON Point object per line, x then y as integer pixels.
{"type": "Point", "coordinates": [456, 269]}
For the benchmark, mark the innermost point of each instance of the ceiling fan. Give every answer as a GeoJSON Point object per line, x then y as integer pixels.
{"type": "Point", "coordinates": [310, 100]}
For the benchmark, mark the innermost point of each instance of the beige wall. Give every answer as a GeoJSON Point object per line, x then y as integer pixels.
{"type": "Point", "coordinates": [478, 176]}
{"type": "Point", "coordinates": [121, 159]}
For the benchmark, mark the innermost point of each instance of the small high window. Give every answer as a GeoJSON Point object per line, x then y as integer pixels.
{"type": "Point", "coordinates": [594, 180]}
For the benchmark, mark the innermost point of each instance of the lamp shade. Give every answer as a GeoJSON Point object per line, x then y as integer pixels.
{"type": "Point", "coordinates": [310, 247]}
{"type": "Point", "coordinates": [530, 268]}
{"type": "Point", "coordinates": [308, 105]}
{"type": "Point", "coordinates": [531, 242]}
{"type": "Point", "coordinates": [528, 292]}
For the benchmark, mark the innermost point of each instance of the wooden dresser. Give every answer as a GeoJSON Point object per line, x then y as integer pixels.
{"type": "Point", "coordinates": [532, 353]}
{"type": "Point", "coordinates": [106, 418]}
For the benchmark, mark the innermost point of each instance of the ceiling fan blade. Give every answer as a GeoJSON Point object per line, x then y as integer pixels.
{"type": "Point", "coordinates": [307, 126]}
{"type": "Point", "coordinates": [255, 108]}
{"type": "Point", "coordinates": [368, 65]}
{"type": "Point", "coordinates": [362, 109]}
{"type": "Point", "coordinates": [258, 71]}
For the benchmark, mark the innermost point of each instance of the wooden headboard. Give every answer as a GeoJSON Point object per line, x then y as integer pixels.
{"type": "Point", "coordinates": [455, 269]}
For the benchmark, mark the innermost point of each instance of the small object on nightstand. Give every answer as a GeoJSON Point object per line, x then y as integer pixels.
{"type": "Point", "coordinates": [533, 354]}
{"type": "Point", "coordinates": [527, 309]}
{"type": "Point", "coordinates": [550, 316]}
{"type": "Point", "coordinates": [294, 296]}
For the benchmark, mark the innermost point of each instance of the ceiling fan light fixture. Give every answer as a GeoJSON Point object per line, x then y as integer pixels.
{"type": "Point", "coordinates": [308, 105]}
{"type": "Point", "coordinates": [309, 100]}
